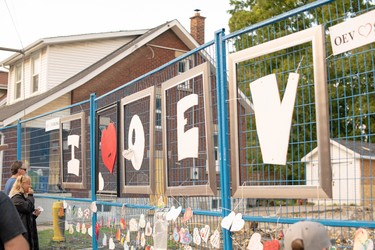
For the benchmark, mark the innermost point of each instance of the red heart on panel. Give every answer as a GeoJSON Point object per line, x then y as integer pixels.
{"type": "Point", "coordinates": [109, 146]}
{"type": "Point", "coordinates": [271, 245]}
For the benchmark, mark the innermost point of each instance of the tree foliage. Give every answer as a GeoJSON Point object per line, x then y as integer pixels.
{"type": "Point", "coordinates": [350, 75]}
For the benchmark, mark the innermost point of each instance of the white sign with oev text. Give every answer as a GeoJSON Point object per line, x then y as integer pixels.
{"type": "Point", "coordinates": [353, 33]}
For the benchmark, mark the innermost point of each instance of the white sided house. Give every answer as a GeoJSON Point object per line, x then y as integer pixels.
{"type": "Point", "coordinates": [353, 168]}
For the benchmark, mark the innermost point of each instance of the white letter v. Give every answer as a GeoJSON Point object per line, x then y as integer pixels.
{"type": "Point", "coordinates": [273, 117]}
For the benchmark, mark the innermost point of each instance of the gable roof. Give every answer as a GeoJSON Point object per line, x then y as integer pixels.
{"type": "Point", "coordinates": [11, 113]}
{"type": "Point", "coordinates": [359, 149]}
{"type": "Point", "coordinates": [364, 149]}
{"type": "Point", "coordinates": [43, 42]}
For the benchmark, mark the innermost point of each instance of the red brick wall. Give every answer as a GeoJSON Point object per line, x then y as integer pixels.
{"type": "Point", "coordinates": [142, 61]}
{"type": "Point", "coordinates": [3, 77]}
{"type": "Point", "coordinates": [9, 154]}
{"type": "Point", "coordinates": [197, 28]}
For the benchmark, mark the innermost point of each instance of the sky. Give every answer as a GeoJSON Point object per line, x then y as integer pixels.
{"type": "Point", "coordinates": [23, 22]}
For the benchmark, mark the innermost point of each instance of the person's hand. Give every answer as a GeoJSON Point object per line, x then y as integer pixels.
{"type": "Point", "coordinates": [31, 191]}
{"type": "Point", "coordinates": [37, 212]}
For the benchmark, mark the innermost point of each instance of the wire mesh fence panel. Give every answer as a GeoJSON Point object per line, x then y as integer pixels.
{"type": "Point", "coordinates": [8, 139]}
{"type": "Point", "coordinates": [145, 164]}
{"type": "Point", "coordinates": [265, 62]}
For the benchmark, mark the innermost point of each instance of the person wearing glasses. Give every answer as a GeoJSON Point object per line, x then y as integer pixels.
{"type": "Point", "coordinates": [17, 169]}
{"type": "Point", "coordinates": [22, 197]}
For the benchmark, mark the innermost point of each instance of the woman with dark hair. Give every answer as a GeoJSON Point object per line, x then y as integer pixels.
{"type": "Point", "coordinates": [23, 199]}
{"type": "Point", "coordinates": [17, 169]}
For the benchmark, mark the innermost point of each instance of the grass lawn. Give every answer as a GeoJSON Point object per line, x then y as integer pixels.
{"type": "Point", "coordinates": [72, 241]}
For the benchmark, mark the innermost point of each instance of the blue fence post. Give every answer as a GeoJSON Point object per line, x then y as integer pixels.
{"type": "Point", "coordinates": [222, 114]}
{"type": "Point", "coordinates": [93, 163]}
{"type": "Point", "coordinates": [19, 141]}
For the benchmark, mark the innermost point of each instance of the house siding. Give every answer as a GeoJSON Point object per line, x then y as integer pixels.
{"type": "Point", "coordinates": [56, 104]}
{"type": "Point", "coordinates": [143, 60]}
{"type": "Point", "coordinates": [347, 176]}
{"type": "Point", "coordinates": [77, 56]}
{"type": "Point", "coordinates": [368, 182]}
{"type": "Point", "coordinates": [72, 58]}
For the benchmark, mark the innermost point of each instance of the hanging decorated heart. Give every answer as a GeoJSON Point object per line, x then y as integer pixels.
{"type": "Point", "coordinates": [122, 223]}
{"type": "Point", "coordinates": [215, 239]}
{"type": "Point", "coordinates": [84, 229]}
{"type": "Point", "coordinates": [148, 230]}
{"type": "Point", "coordinates": [101, 183]}
{"type": "Point", "coordinates": [176, 235]}
{"type": "Point", "coordinates": [237, 223]}
{"type": "Point", "coordinates": [80, 213]}
{"type": "Point", "coordinates": [133, 225]}
{"type": "Point", "coordinates": [104, 241]}
{"type": "Point", "coordinates": [233, 222]}
{"type": "Point", "coordinates": [127, 238]}
{"type": "Point", "coordinates": [143, 239]}
{"type": "Point", "coordinates": [142, 221]}
{"type": "Point", "coordinates": [118, 234]}
{"type": "Point", "coordinates": [86, 213]}
{"type": "Point", "coordinates": [187, 215]}
{"type": "Point", "coordinates": [255, 242]}
{"type": "Point", "coordinates": [93, 207]}
{"type": "Point", "coordinates": [271, 245]}
{"type": "Point", "coordinates": [196, 237]}
{"type": "Point", "coordinates": [111, 244]}
{"type": "Point", "coordinates": [97, 229]}
{"type": "Point", "coordinates": [185, 236]}
{"type": "Point", "coordinates": [89, 231]}
{"type": "Point", "coordinates": [227, 221]}
{"type": "Point", "coordinates": [362, 241]}
{"type": "Point", "coordinates": [173, 213]}
{"type": "Point", "coordinates": [205, 233]}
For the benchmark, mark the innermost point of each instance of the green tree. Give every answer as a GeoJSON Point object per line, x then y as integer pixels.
{"type": "Point", "coordinates": [350, 76]}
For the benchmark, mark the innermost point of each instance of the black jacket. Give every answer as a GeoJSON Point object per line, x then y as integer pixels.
{"type": "Point", "coordinates": [25, 207]}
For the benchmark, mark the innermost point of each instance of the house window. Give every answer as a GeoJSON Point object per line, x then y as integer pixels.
{"type": "Point", "coordinates": [35, 69]}
{"type": "Point", "coordinates": [184, 66]}
{"type": "Point", "coordinates": [18, 81]}
{"type": "Point", "coordinates": [216, 149]}
{"type": "Point", "coordinates": [158, 113]}
{"type": "Point", "coordinates": [215, 204]}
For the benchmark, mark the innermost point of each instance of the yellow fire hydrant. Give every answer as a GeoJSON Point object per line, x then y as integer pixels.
{"type": "Point", "coordinates": [58, 216]}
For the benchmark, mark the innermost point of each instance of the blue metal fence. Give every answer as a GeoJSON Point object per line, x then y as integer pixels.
{"type": "Point", "coordinates": [277, 200]}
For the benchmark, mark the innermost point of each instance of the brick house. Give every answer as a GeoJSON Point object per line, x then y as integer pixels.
{"type": "Point", "coordinates": [53, 73]}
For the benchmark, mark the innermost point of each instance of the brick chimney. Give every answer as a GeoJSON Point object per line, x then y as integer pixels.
{"type": "Point", "coordinates": [197, 27]}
